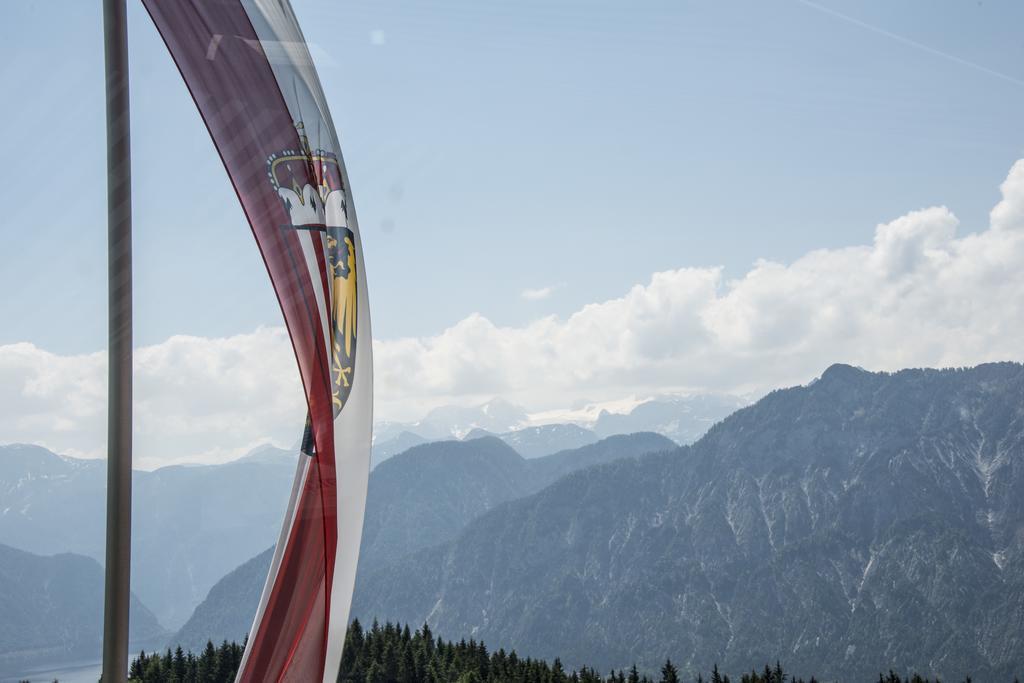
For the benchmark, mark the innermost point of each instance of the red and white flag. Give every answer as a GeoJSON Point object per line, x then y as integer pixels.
{"type": "Point", "coordinates": [248, 68]}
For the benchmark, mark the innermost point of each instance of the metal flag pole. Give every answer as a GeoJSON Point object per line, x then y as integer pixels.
{"type": "Point", "coordinates": [119, 401]}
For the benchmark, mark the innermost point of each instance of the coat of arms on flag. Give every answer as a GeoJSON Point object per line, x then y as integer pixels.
{"type": "Point", "coordinates": [323, 209]}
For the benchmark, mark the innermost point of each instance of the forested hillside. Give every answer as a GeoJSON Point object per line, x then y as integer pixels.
{"type": "Point", "coordinates": [394, 654]}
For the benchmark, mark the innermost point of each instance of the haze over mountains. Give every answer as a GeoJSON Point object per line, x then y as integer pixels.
{"type": "Point", "coordinates": [864, 521]}
{"type": "Point", "coordinates": [194, 524]}
{"type": "Point", "coordinates": [190, 525]}
{"type": "Point", "coordinates": [51, 608]}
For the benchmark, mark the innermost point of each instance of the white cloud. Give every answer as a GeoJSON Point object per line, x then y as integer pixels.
{"type": "Point", "coordinates": [919, 295]}
{"type": "Point", "coordinates": [196, 399]}
{"type": "Point", "coordinates": [537, 294]}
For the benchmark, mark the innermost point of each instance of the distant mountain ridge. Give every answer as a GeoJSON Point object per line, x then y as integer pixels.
{"type": "Point", "coordinates": [52, 608]}
{"type": "Point", "coordinates": [536, 442]}
{"type": "Point", "coordinates": [448, 422]}
{"type": "Point", "coordinates": [399, 443]}
{"type": "Point", "coordinates": [863, 520]}
{"type": "Point", "coordinates": [684, 419]}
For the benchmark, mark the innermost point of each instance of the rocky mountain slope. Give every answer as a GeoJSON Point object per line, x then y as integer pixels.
{"type": "Point", "coordinates": [428, 494]}
{"type": "Point", "coordinates": [859, 521]}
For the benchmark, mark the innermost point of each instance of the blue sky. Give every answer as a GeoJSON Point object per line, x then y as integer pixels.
{"type": "Point", "coordinates": [701, 196]}
{"type": "Point", "coordinates": [498, 147]}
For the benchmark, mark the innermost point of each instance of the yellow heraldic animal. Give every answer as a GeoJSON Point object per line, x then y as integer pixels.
{"type": "Point", "coordinates": [344, 295]}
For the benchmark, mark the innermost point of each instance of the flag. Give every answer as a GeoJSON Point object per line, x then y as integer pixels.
{"type": "Point", "coordinates": [250, 73]}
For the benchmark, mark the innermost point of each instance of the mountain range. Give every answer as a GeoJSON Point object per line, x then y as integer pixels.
{"type": "Point", "coordinates": [194, 523]}
{"type": "Point", "coordinates": [419, 499]}
{"type": "Point", "coordinates": [861, 521]}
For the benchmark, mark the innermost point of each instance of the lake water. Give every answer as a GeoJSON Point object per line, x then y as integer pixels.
{"type": "Point", "coordinates": [68, 673]}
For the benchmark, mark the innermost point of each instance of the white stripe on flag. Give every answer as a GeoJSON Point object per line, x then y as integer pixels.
{"type": "Point", "coordinates": [309, 243]}
{"type": "Point", "coordinates": [301, 471]}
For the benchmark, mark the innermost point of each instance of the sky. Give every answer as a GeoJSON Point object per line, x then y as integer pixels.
{"type": "Point", "coordinates": [559, 200]}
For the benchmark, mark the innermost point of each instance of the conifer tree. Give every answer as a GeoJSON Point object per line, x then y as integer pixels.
{"type": "Point", "coordinates": [557, 672]}
{"type": "Point", "coordinates": [669, 673]}
{"type": "Point", "coordinates": [178, 665]}
{"type": "Point", "coordinates": [137, 667]}
{"type": "Point", "coordinates": [375, 674]}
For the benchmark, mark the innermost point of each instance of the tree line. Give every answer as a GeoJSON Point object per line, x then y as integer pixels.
{"type": "Point", "coordinates": [393, 654]}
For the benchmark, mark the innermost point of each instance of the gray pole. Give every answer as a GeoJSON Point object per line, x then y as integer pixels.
{"type": "Point", "coordinates": [119, 397]}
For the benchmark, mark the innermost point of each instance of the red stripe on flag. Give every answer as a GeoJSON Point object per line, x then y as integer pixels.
{"type": "Point", "coordinates": [238, 97]}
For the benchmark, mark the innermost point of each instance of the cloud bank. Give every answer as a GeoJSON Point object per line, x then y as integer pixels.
{"type": "Point", "coordinates": [196, 399]}
{"type": "Point", "coordinates": [919, 295]}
